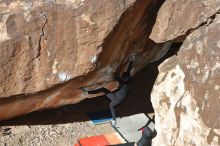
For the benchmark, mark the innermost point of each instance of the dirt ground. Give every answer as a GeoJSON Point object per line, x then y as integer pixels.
{"type": "Point", "coordinates": [51, 135]}
{"type": "Point", "coordinates": [64, 126]}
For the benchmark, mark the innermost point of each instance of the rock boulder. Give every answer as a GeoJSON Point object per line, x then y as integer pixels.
{"type": "Point", "coordinates": [177, 18]}
{"type": "Point", "coordinates": [186, 94]}
{"type": "Point", "coordinates": [48, 49]}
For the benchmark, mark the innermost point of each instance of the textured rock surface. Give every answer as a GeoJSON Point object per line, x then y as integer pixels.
{"type": "Point", "coordinates": [51, 48]}
{"type": "Point", "coordinates": [186, 94]}
{"type": "Point", "coordinates": [176, 18]}
{"type": "Point", "coordinates": [46, 43]}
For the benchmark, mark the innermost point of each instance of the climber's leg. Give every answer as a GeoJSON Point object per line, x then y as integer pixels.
{"type": "Point", "coordinates": [114, 102]}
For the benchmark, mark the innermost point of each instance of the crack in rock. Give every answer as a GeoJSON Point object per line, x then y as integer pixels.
{"type": "Point", "coordinates": [42, 35]}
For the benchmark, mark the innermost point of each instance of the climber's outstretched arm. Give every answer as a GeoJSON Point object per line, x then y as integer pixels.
{"type": "Point", "coordinates": [129, 67]}
{"type": "Point", "coordinates": [96, 91]}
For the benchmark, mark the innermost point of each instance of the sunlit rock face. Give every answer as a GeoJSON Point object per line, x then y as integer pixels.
{"type": "Point", "coordinates": [177, 18]}
{"type": "Point", "coordinates": [48, 49]}
{"type": "Point", "coordinates": [44, 43]}
{"type": "Point", "coordinates": [186, 94]}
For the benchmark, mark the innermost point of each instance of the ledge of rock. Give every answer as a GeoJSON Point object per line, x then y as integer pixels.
{"type": "Point", "coordinates": [186, 93]}
{"type": "Point", "coordinates": [48, 49]}
{"type": "Point", "coordinates": [176, 18]}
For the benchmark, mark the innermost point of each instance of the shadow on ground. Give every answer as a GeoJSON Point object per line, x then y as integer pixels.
{"type": "Point", "coordinates": [138, 101]}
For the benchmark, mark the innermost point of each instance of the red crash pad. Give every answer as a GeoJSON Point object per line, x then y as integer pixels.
{"type": "Point", "coordinates": [102, 140]}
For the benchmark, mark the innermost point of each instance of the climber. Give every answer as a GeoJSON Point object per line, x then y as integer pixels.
{"type": "Point", "coordinates": [147, 135]}
{"type": "Point", "coordinates": [116, 97]}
